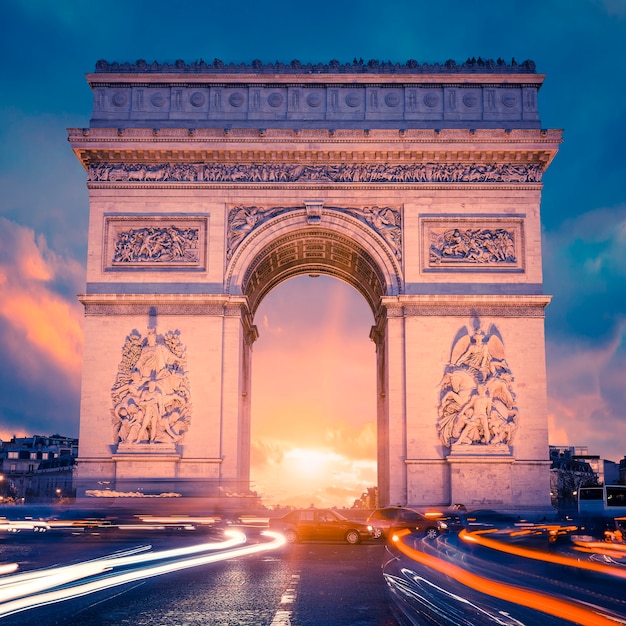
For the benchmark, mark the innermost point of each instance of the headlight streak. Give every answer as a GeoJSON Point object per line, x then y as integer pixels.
{"type": "Point", "coordinates": [39, 573]}
{"type": "Point", "coordinates": [110, 579]}
{"type": "Point", "coordinates": [545, 603]}
{"type": "Point", "coordinates": [424, 581]}
{"type": "Point", "coordinates": [528, 553]}
{"type": "Point", "coordinates": [446, 612]}
{"type": "Point", "coordinates": [29, 583]}
{"type": "Point", "coordinates": [8, 568]}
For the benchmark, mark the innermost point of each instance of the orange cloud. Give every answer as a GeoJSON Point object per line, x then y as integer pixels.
{"type": "Point", "coordinates": [42, 327]}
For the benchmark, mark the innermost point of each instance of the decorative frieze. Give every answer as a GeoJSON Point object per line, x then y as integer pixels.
{"type": "Point", "coordinates": [126, 308]}
{"type": "Point", "coordinates": [278, 173]}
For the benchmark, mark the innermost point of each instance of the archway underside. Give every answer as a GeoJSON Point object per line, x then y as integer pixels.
{"type": "Point", "coordinates": [312, 252]}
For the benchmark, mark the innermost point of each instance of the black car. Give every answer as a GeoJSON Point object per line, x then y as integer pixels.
{"type": "Point", "coordinates": [382, 522]}
{"type": "Point", "coordinates": [319, 524]}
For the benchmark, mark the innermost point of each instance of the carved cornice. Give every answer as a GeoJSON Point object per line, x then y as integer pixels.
{"type": "Point", "coordinates": [373, 66]}
{"type": "Point", "coordinates": [289, 147]}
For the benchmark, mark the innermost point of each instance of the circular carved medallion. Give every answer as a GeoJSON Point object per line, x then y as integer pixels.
{"type": "Point", "coordinates": [197, 99]}
{"type": "Point", "coordinates": [275, 99]}
{"type": "Point", "coordinates": [431, 99]}
{"type": "Point", "coordinates": [470, 100]}
{"type": "Point", "coordinates": [157, 99]}
{"type": "Point", "coordinates": [314, 100]}
{"type": "Point", "coordinates": [392, 99]}
{"type": "Point", "coordinates": [509, 100]}
{"type": "Point", "coordinates": [119, 99]}
{"type": "Point", "coordinates": [353, 99]}
{"type": "Point", "coordinates": [236, 99]}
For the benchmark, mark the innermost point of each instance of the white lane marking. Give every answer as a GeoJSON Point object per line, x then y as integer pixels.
{"type": "Point", "coordinates": [282, 617]}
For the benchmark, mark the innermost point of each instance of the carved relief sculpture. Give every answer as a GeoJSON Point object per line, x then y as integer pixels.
{"type": "Point", "coordinates": [472, 245]}
{"type": "Point", "coordinates": [386, 221]}
{"type": "Point", "coordinates": [340, 173]}
{"type": "Point", "coordinates": [154, 244]}
{"type": "Point", "coordinates": [151, 399]}
{"type": "Point", "coordinates": [242, 219]}
{"type": "Point", "coordinates": [476, 398]}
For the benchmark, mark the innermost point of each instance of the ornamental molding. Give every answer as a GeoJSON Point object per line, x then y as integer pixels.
{"type": "Point", "coordinates": [226, 136]}
{"type": "Point", "coordinates": [468, 310]}
{"type": "Point", "coordinates": [157, 302]}
{"type": "Point", "coordinates": [503, 305]}
{"type": "Point", "coordinates": [146, 309]}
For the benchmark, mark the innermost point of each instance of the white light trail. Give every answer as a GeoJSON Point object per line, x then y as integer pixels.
{"type": "Point", "coordinates": [32, 592]}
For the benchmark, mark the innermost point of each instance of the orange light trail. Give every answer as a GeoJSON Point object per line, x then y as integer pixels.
{"type": "Point", "coordinates": [528, 553]}
{"type": "Point", "coordinates": [510, 593]}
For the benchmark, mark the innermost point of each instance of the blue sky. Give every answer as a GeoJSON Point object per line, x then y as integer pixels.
{"type": "Point", "coordinates": [48, 47]}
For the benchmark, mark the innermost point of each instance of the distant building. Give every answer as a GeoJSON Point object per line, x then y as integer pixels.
{"type": "Point", "coordinates": [368, 499]}
{"type": "Point", "coordinates": [622, 471]}
{"type": "Point", "coordinates": [37, 468]}
{"type": "Point", "coordinates": [570, 469]}
{"type": "Point", "coordinates": [606, 471]}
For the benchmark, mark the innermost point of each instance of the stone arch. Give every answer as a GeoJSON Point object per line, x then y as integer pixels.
{"type": "Point", "coordinates": [338, 245]}
{"type": "Point", "coordinates": [428, 203]}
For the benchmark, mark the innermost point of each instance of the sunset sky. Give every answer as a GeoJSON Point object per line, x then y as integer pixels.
{"type": "Point", "coordinates": [316, 420]}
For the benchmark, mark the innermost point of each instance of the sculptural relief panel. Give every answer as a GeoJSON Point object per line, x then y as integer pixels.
{"type": "Point", "coordinates": [151, 400]}
{"type": "Point", "coordinates": [474, 244]}
{"type": "Point", "coordinates": [163, 242]}
{"type": "Point", "coordinates": [477, 404]}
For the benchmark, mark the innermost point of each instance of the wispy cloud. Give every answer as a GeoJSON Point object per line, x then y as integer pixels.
{"type": "Point", "coordinates": [585, 262]}
{"type": "Point", "coordinates": [41, 332]}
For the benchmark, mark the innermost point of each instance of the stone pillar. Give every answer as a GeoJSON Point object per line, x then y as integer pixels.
{"type": "Point", "coordinates": [395, 385]}
{"type": "Point", "coordinates": [237, 337]}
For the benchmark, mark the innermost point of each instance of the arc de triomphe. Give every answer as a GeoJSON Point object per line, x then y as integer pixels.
{"type": "Point", "coordinates": [419, 185]}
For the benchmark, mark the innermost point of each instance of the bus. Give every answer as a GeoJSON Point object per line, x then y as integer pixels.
{"type": "Point", "coordinates": [605, 501]}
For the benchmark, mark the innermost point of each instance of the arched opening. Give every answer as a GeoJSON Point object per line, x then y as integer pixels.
{"type": "Point", "coordinates": [339, 246]}
{"type": "Point", "coordinates": [313, 432]}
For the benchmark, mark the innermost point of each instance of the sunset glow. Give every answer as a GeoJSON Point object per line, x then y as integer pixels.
{"type": "Point", "coordinates": [313, 398]}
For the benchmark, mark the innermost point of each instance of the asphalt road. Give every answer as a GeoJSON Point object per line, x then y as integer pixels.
{"type": "Point", "coordinates": [305, 584]}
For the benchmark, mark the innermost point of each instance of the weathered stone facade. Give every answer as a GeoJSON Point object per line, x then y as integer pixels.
{"type": "Point", "coordinates": [418, 185]}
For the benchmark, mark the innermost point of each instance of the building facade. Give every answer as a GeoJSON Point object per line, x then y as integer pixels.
{"type": "Point", "coordinates": [39, 468]}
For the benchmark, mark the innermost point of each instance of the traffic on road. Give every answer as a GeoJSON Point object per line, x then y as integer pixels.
{"type": "Point", "coordinates": [305, 567]}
